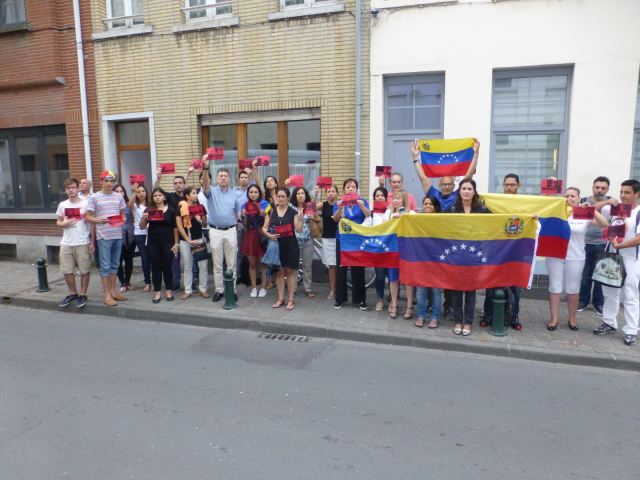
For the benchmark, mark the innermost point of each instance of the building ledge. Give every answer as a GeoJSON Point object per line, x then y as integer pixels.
{"type": "Point", "coordinates": [28, 216]}
{"type": "Point", "coordinates": [14, 27]}
{"type": "Point", "coordinates": [22, 85]}
{"type": "Point", "coordinates": [306, 12]}
{"type": "Point", "coordinates": [122, 32]}
{"type": "Point", "coordinates": [209, 24]}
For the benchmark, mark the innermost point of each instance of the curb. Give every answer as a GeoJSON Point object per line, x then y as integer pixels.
{"type": "Point", "coordinates": [507, 350]}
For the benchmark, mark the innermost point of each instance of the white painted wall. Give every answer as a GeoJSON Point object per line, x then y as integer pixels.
{"type": "Point", "coordinates": [467, 40]}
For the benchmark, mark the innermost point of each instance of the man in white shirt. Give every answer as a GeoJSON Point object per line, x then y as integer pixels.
{"type": "Point", "coordinates": [628, 251]}
{"type": "Point", "coordinates": [76, 246]}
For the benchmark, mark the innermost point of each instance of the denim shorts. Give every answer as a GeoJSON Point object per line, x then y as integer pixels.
{"type": "Point", "coordinates": [109, 255]}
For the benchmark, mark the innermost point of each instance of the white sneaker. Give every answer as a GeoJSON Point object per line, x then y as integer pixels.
{"type": "Point", "coordinates": [262, 293]}
{"type": "Point", "coordinates": [254, 293]}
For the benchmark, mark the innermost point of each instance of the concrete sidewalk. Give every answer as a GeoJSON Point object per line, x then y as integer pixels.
{"type": "Point", "coordinates": [317, 318]}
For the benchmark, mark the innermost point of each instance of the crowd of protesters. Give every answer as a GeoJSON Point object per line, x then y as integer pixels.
{"type": "Point", "coordinates": [272, 230]}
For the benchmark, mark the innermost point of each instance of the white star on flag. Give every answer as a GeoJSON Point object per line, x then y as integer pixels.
{"type": "Point", "coordinates": [484, 259]}
{"type": "Point", "coordinates": [442, 257]}
{"type": "Point", "coordinates": [446, 251]}
{"type": "Point", "coordinates": [463, 246]}
{"type": "Point", "coordinates": [454, 248]}
{"type": "Point", "coordinates": [472, 249]}
{"type": "Point", "coordinates": [479, 253]}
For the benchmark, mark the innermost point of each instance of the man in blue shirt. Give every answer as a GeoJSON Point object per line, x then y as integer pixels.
{"type": "Point", "coordinates": [446, 195]}
{"type": "Point", "coordinates": [223, 217]}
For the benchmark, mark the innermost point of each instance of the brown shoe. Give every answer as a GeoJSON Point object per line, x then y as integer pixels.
{"type": "Point", "coordinates": [110, 302]}
{"type": "Point", "coordinates": [204, 294]}
{"type": "Point", "coordinates": [184, 296]}
{"type": "Point", "coordinates": [120, 298]}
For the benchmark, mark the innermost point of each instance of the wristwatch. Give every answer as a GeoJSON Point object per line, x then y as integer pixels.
{"type": "Point", "coordinates": [415, 161]}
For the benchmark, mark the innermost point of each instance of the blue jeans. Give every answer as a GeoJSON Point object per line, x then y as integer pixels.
{"type": "Point", "coordinates": [436, 302]}
{"type": "Point", "coordinates": [109, 256]}
{"type": "Point", "coordinates": [141, 243]}
{"type": "Point", "coordinates": [464, 306]}
{"type": "Point", "coordinates": [592, 252]}
{"type": "Point", "coordinates": [381, 274]}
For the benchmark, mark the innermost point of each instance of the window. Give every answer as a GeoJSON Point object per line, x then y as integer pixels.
{"type": "Point", "coordinates": [635, 163]}
{"type": "Point", "coordinates": [198, 10]}
{"type": "Point", "coordinates": [529, 125]}
{"type": "Point", "coordinates": [294, 147]}
{"type": "Point", "coordinates": [11, 13]}
{"type": "Point", "coordinates": [124, 13]}
{"type": "Point", "coordinates": [33, 166]}
{"type": "Point", "coordinates": [286, 4]}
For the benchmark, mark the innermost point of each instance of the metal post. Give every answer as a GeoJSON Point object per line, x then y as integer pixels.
{"type": "Point", "coordinates": [497, 319]}
{"type": "Point", "coordinates": [41, 269]}
{"type": "Point", "coordinates": [229, 293]}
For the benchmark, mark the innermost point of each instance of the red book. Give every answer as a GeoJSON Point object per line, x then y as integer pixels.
{"type": "Point", "coordinates": [584, 213]}
{"type": "Point", "coordinates": [137, 178]}
{"type": "Point", "coordinates": [115, 221]}
{"type": "Point", "coordinates": [350, 199]}
{"type": "Point", "coordinates": [196, 210]}
{"type": "Point", "coordinates": [197, 164]}
{"type": "Point", "coordinates": [72, 213]}
{"type": "Point", "coordinates": [324, 182]}
{"type": "Point", "coordinates": [551, 186]}
{"type": "Point", "coordinates": [296, 180]}
{"type": "Point", "coordinates": [284, 230]}
{"type": "Point", "coordinates": [379, 207]}
{"type": "Point", "coordinates": [310, 209]}
{"type": "Point", "coordinates": [167, 168]}
{"type": "Point", "coordinates": [263, 160]}
{"type": "Point", "coordinates": [155, 215]}
{"type": "Point", "coordinates": [621, 210]}
{"type": "Point", "coordinates": [245, 163]}
{"type": "Point", "coordinates": [383, 171]}
{"type": "Point", "coordinates": [613, 231]}
{"type": "Point", "coordinates": [215, 153]}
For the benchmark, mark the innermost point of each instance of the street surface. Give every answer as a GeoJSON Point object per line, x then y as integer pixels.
{"type": "Point", "coordinates": [90, 397]}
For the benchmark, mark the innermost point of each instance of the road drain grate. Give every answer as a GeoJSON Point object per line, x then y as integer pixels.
{"type": "Point", "coordinates": [284, 336]}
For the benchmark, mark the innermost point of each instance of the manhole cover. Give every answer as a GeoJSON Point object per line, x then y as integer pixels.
{"type": "Point", "coordinates": [284, 336]}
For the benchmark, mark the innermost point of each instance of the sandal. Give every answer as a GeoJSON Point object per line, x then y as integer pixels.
{"type": "Point", "coordinates": [278, 304]}
{"type": "Point", "coordinates": [433, 323]}
{"type": "Point", "coordinates": [310, 294]}
{"type": "Point", "coordinates": [466, 331]}
{"type": "Point", "coordinates": [123, 289]}
{"type": "Point", "coordinates": [330, 296]}
{"type": "Point", "coordinates": [419, 322]}
{"type": "Point", "coordinates": [291, 305]}
{"type": "Point", "coordinates": [457, 329]}
{"type": "Point", "coordinates": [408, 313]}
{"type": "Point", "coordinates": [393, 311]}
{"type": "Point", "coordinates": [147, 288]}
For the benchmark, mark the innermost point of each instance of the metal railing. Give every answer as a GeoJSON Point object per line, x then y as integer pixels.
{"type": "Point", "coordinates": [225, 6]}
{"type": "Point", "coordinates": [124, 21]}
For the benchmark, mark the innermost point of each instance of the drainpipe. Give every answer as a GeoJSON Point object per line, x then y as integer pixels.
{"type": "Point", "coordinates": [83, 92]}
{"type": "Point", "coordinates": [358, 85]}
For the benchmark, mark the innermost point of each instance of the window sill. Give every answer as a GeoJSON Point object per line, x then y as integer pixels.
{"type": "Point", "coordinates": [14, 27]}
{"type": "Point", "coordinates": [306, 12]}
{"type": "Point", "coordinates": [208, 24]}
{"type": "Point", "coordinates": [122, 32]}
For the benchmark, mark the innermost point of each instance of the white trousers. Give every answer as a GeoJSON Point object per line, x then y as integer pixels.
{"type": "Point", "coordinates": [187, 269]}
{"type": "Point", "coordinates": [224, 246]}
{"type": "Point", "coordinates": [630, 299]}
{"type": "Point", "coordinates": [564, 273]}
{"type": "Point", "coordinates": [306, 254]}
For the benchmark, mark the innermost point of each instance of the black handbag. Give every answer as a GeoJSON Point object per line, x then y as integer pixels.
{"type": "Point", "coordinates": [609, 270]}
{"type": "Point", "coordinates": [199, 250]}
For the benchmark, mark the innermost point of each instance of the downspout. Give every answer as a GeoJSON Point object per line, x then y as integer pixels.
{"type": "Point", "coordinates": [83, 92]}
{"type": "Point", "coordinates": [358, 85]}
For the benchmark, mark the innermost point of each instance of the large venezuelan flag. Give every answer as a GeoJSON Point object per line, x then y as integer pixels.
{"type": "Point", "coordinates": [553, 240]}
{"type": "Point", "coordinates": [362, 246]}
{"type": "Point", "coordinates": [441, 158]}
{"type": "Point", "coordinates": [466, 252]}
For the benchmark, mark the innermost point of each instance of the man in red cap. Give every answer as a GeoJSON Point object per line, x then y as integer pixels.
{"type": "Point", "coordinates": [106, 210]}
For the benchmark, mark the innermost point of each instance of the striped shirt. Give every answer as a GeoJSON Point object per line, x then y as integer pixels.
{"type": "Point", "coordinates": [106, 205]}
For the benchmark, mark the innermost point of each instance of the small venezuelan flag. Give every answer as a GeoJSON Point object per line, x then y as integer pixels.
{"type": "Point", "coordinates": [466, 252]}
{"type": "Point", "coordinates": [553, 240]}
{"type": "Point", "coordinates": [441, 158]}
{"type": "Point", "coordinates": [362, 246]}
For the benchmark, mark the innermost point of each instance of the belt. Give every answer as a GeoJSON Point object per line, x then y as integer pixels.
{"type": "Point", "coordinates": [222, 228]}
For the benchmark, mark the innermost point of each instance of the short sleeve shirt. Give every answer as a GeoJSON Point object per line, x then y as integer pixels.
{"type": "Point", "coordinates": [445, 202]}
{"type": "Point", "coordinates": [631, 229]}
{"type": "Point", "coordinates": [104, 206]}
{"type": "Point", "coordinates": [577, 239]}
{"type": "Point", "coordinates": [78, 233]}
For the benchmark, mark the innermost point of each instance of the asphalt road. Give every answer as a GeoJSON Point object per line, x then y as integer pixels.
{"type": "Point", "coordinates": [84, 397]}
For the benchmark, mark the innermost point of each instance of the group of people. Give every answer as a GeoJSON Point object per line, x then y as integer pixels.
{"type": "Point", "coordinates": [273, 227]}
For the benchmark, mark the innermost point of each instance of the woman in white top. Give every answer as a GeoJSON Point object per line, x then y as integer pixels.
{"type": "Point", "coordinates": [138, 204]}
{"type": "Point", "coordinates": [568, 272]}
{"type": "Point", "coordinates": [376, 218]}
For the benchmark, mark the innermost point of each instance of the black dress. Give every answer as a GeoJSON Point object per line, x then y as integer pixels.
{"type": "Point", "coordinates": [289, 249]}
{"type": "Point", "coordinates": [159, 243]}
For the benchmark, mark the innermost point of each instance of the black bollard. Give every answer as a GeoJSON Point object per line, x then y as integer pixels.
{"type": "Point", "coordinates": [41, 269]}
{"type": "Point", "coordinates": [229, 293]}
{"type": "Point", "coordinates": [497, 319]}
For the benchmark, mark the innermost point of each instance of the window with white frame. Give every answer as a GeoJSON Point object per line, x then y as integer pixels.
{"type": "Point", "coordinates": [124, 13]}
{"type": "Point", "coordinates": [288, 4]}
{"type": "Point", "coordinates": [11, 12]}
{"type": "Point", "coordinates": [635, 163]}
{"type": "Point", "coordinates": [530, 115]}
{"type": "Point", "coordinates": [198, 10]}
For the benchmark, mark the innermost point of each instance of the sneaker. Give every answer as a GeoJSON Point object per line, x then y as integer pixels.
{"type": "Point", "coordinates": [598, 310]}
{"type": "Point", "coordinates": [262, 293]}
{"type": "Point", "coordinates": [217, 297]}
{"type": "Point", "coordinates": [67, 300]}
{"type": "Point", "coordinates": [604, 329]}
{"type": "Point", "coordinates": [82, 301]}
{"type": "Point", "coordinates": [629, 339]}
{"type": "Point", "coordinates": [363, 307]}
{"type": "Point", "coordinates": [582, 308]}
{"type": "Point", "coordinates": [254, 293]}
{"type": "Point", "coordinates": [338, 306]}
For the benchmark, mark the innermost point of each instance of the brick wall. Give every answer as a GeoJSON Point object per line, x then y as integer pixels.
{"type": "Point", "coordinates": [256, 66]}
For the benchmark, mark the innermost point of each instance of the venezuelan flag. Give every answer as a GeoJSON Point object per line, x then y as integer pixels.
{"type": "Point", "coordinates": [553, 240]}
{"type": "Point", "coordinates": [466, 252]}
{"type": "Point", "coordinates": [265, 207]}
{"type": "Point", "coordinates": [362, 246]}
{"type": "Point", "coordinates": [441, 158]}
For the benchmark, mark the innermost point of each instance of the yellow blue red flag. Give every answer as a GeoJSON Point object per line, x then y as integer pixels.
{"type": "Point", "coordinates": [441, 158]}
{"type": "Point", "coordinates": [362, 246]}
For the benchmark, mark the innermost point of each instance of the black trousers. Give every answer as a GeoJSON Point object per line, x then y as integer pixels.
{"type": "Point", "coordinates": [126, 261]}
{"type": "Point", "coordinates": [161, 257]}
{"type": "Point", "coordinates": [359, 291]}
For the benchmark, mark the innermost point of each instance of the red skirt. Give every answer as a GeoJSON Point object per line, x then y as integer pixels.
{"type": "Point", "coordinates": [251, 246]}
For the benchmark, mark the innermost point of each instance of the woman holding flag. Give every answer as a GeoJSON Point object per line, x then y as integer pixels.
{"type": "Point", "coordinates": [189, 224]}
{"type": "Point", "coordinates": [429, 205]}
{"type": "Point", "coordinates": [377, 217]}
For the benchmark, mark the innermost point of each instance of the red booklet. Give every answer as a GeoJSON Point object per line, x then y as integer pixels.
{"type": "Point", "coordinates": [621, 210]}
{"type": "Point", "coordinates": [137, 178]}
{"type": "Point", "coordinates": [215, 153]}
{"type": "Point", "coordinates": [167, 168]}
{"type": "Point", "coordinates": [155, 215]}
{"type": "Point", "coordinates": [197, 164]}
{"type": "Point", "coordinates": [310, 209]}
{"type": "Point", "coordinates": [296, 180]}
{"type": "Point", "coordinates": [263, 160]}
{"type": "Point", "coordinates": [551, 186]}
{"type": "Point", "coordinates": [379, 207]}
{"type": "Point", "coordinates": [613, 231]}
{"type": "Point", "coordinates": [244, 163]}
{"type": "Point", "coordinates": [72, 213]}
{"type": "Point", "coordinates": [115, 221]}
{"type": "Point", "coordinates": [196, 210]}
{"type": "Point", "coordinates": [383, 171]}
{"type": "Point", "coordinates": [324, 182]}
{"type": "Point", "coordinates": [284, 230]}
{"type": "Point", "coordinates": [584, 213]}
{"type": "Point", "coordinates": [350, 199]}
